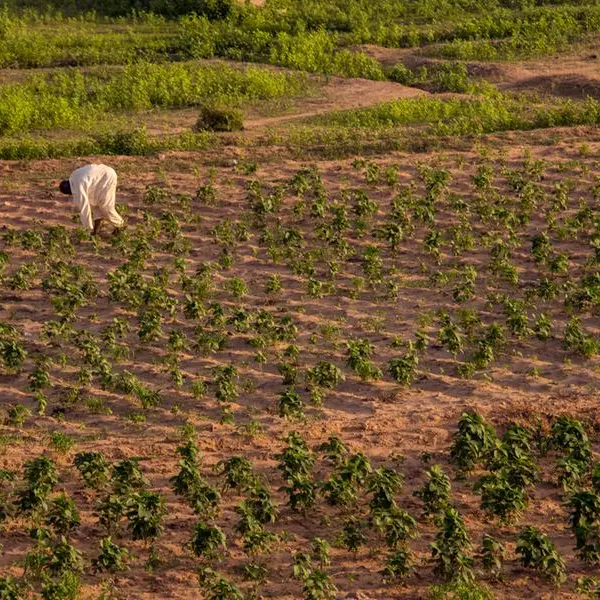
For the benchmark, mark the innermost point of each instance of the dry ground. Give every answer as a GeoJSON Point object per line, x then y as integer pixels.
{"type": "Point", "coordinates": [381, 419]}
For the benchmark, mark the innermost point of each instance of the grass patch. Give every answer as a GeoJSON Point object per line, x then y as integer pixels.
{"type": "Point", "coordinates": [71, 97]}
{"type": "Point", "coordinates": [130, 143]}
{"type": "Point", "coordinates": [468, 116]}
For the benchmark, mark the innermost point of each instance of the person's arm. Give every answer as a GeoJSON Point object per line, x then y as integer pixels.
{"type": "Point", "coordinates": [83, 206]}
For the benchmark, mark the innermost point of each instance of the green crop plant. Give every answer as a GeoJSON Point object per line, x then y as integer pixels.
{"type": "Point", "coordinates": [110, 510]}
{"type": "Point", "coordinates": [296, 460]}
{"type": "Point", "coordinates": [399, 566]}
{"type": "Point", "coordinates": [334, 449]}
{"type": "Point", "coordinates": [41, 477]}
{"type": "Point", "coordinates": [435, 492]}
{"type": "Point", "coordinates": [301, 566]}
{"type": "Point", "coordinates": [491, 555]}
{"type": "Point", "coordinates": [67, 586]}
{"type": "Point", "coordinates": [64, 558]}
{"type": "Point", "coordinates": [384, 483]}
{"type": "Point", "coordinates": [259, 505]}
{"type": "Point", "coordinates": [126, 476]}
{"type": "Point", "coordinates": [290, 405]}
{"type": "Point", "coordinates": [237, 473]}
{"type": "Point", "coordinates": [12, 351]}
{"type": "Point", "coordinates": [145, 511]}
{"type": "Point", "coordinates": [500, 497]}
{"type": "Point", "coordinates": [569, 436]}
{"type": "Point", "coordinates": [404, 369]}
{"type": "Point", "coordinates": [320, 551]}
{"type": "Point", "coordinates": [302, 492]}
{"type": "Point", "coordinates": [449, 551]}
{"type": "Point", "coordinates": [226, 383]}
{"type": "Point", "coordinates": [595, 477]}
{"type": "Point", "coordinates": [577, 340]}
{"type": "Point", "coordinates": [207, 540]}
{"type": "Point", "coordinates": [325, 375]}
{"type": "Point", "coordinates": [39, 378]}
{"type": "Point", "coordinates": [472, 441]}
{"type": "Point", "coordinates": [450, 336]}
{"type": "Point", "coordinates": [318, 586]}
{"type": "Point", "coordinates": [542, 327]}
{"type": "Point", "coordinates": [585, 521]}
{"type": "Point", "coordinates": [111, 558]}
{"type": "Point", "coordinates": [63, 515]}
{"type": "Point", "coordinates": [341, 489]}
{"type": "Point", "coordinates": [215, 587]}
{"type": "Point", "coordinates": [395, 524]}
{"type": "Point", "coordinates": [17, 415]}
{"type": "Point", "coordinates": [359, 353]}
{"type": "Point", "coordinates": [537, 552]}
{"type": "Point", "coordinates": [10, 588]}
{"type": "Point", "coordinates": [352, 535]}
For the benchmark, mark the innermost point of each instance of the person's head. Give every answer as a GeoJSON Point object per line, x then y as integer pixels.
{"type": "Point", "coordinates": [65, 187]}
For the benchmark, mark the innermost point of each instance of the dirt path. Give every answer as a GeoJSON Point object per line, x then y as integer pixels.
{"type": "Point", "coordinates": [340, 94]}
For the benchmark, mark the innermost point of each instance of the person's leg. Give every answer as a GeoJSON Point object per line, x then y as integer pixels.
{"type": "Point", "coordinates": [109, 212]}
{"type": "Point", "coordinates": [97, 223]}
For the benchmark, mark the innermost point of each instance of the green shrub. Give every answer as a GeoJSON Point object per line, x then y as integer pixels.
{"type": "Point", "coordinates": [214, 118]}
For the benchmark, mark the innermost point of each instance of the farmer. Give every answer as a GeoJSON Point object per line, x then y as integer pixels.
{"type": "Point", "coordinates": [93, 188]}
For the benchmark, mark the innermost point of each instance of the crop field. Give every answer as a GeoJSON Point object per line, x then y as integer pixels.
{"type": "Point", "coordinates": [347, 344]}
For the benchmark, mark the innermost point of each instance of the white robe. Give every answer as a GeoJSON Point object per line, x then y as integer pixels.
{"type": "Point", "coordinates": [94, 187]}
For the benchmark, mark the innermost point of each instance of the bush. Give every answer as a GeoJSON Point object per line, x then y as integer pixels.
{"type": "Point", "coordinates": [214, 118]}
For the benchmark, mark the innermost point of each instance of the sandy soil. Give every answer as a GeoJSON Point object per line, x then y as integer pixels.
{"type": "Point", "coordinates": [391, 424]}
{"type": "Point", "coordinates": [381, 419]}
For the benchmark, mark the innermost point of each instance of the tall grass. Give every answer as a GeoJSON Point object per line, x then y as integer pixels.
{"type": "Point", "coordinates": [71, 97]}
{"type": "Point", "coordinates": [312, 35]}
{"type": "Point", "coordinates": [534, 33]}
{"type": "Point", "coordinates": [440, 116]}
{"type": "Point", "coordinates": [136, 142]}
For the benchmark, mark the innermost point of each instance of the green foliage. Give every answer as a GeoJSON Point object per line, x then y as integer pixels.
{"type": "Point", "coordinates": [65, 587]}
{"type": "Point", "coordinates": [41, 476]}
{"type": "Point", "coordinates": [111, 558]}
{"type": "Point", "coordinates": [449, 551]}
{"type": "Point", "coordinates": [145, 512]}
{"type": "Point", "coordinates": [63, 99]}
{"type": "Point", "coordinates": [585, 523]}
{"type": "Point", "coordinates": [237, 473]}
{"type": "Point", "coordinates": [399, 565]}
{"type": "Point", "coordinates": [396, 525]}
{"type": "Point", "coordinates": [472, 441]}
{"type": "Point", "coordinates": [352, 535]}
{"type": "Point", "coordinates": [491, 554]}
{"type": "Point", "coordinates": [537, 552]}
{"type": "Point", "coordinates": [326, 375]}
{"type": "Point", "coordinates": [404, 369]}
{"type": "Point", "coordinates": [63, 515]}
{"type": "Point", "coordinates": [290, 405]}
{"type": "Point", "coordinates": [384, 483]}
{"type": "Point", "coordinates": [318, 586]}
{"type": "Point", "coordinates": [214, 118]}
{"type": "Point", "coordinates": [126, 476]}
{"type": "Point", "coordinates": [435, 492]}
{"type": "Point", "coordinates": [93, 467]}
{"type": "Point", "coordinates": [359, 353]}
{"type": "Point", "coordinates": [501, 498]}
{"type": "Point", "coordinates": [10, 588]}
{"type": "Point", "coordinates": [208, 540]}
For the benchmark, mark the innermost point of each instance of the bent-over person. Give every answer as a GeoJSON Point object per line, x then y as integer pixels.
{"type": "Point", "coordinates": [94, 189]}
